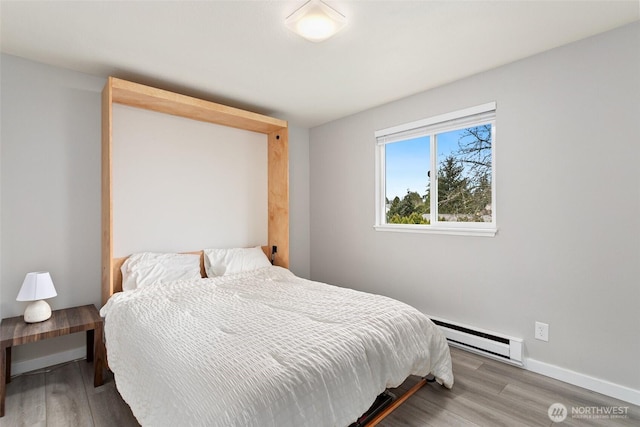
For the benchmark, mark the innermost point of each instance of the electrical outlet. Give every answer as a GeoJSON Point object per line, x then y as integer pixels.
{"type": "Point", "coordinates": [542, 331]}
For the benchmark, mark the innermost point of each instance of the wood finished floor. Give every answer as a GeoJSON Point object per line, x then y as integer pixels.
{"type": "Point", "coordinates": [486, 393]}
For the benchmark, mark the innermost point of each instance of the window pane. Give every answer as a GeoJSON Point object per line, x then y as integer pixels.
{"type": "Point", "coordinates": [464, 174]}
{"type": "Point", "coordinates": [407, 165]}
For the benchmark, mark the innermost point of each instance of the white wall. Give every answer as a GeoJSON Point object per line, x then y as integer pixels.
{"type": "Point", "coordinates": [50, 189]}
{"type": "Point", "coordinates": [183, 185]}
{"type": "Point", "coordinates": [568, 248]}
{"type": "Point", "coordinates": [50, 193]}
{"type": "Point", "coordinates": [299, 254]}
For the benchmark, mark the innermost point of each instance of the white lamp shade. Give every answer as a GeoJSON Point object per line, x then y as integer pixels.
{"type": "Point", "coordinates": [36, 286]}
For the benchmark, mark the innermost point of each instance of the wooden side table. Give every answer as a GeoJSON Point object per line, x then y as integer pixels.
{"type": "Point", "coordinates": [15, 331]}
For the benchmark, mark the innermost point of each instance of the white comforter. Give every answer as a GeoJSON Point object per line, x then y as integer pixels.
{"type": "Point", "coordinates": [264, 348]}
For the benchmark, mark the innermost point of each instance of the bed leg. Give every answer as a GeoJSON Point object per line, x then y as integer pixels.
{"type": "Point", "coordinates": [398, 402]}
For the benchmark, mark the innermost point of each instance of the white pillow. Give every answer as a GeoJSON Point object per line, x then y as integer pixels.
{"type": "Point", "coordinates": [145, 268]}
{"type": "Point", "coordinates": [220, 262]}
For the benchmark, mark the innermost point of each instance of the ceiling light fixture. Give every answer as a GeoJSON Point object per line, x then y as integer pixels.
{"type": "Point", "coordinates": [315, 21]}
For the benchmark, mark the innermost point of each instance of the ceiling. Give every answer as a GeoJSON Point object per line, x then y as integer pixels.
{"type": "Point", "coordinates": [239, 52]}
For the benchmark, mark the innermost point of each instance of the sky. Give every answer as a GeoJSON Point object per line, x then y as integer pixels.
{"type": "Point", "coordinates": [407, 162]}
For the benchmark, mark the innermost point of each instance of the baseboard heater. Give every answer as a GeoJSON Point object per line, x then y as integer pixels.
{"type": "Point", "coordinates": [491, 344]}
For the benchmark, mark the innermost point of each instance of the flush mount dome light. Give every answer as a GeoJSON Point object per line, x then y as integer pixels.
{"type": "Point", "coordinates": [315, 21]}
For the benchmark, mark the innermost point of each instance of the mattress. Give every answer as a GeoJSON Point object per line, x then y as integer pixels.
{"type": "Point", "coordinates": [263, 348]}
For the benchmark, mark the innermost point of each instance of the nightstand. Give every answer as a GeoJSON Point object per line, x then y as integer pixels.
{"type": "Point", "coordinates": [14, 331]}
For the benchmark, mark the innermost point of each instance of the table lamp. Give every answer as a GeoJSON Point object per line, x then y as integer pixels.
{"type": "Point", "coordinates": [37, 287]}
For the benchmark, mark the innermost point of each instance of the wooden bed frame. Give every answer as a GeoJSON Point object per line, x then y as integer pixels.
{"type": "Point", "coordinates": [149, 98]}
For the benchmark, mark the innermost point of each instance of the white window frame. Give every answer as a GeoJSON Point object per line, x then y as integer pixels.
{"type": "Point", "coordinates": [467, 117]}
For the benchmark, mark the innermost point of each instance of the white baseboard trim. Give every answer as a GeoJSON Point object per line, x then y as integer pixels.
{"type": "Point", "coordinates": [21, 367]}
{"type": "Point", "coordinates": [617, 391]}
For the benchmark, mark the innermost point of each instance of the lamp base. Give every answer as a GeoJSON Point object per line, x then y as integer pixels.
{"type": "Point", "coordinates": [37, 311]}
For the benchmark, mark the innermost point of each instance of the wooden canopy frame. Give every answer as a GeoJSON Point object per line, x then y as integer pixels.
{"type": "Point", "coordinates": [149, 98]}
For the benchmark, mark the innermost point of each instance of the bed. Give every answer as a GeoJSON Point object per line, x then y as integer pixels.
{"type": "Point", "coordinates": [258, 346]}
{"type": "Point", "coordinates": [242, 342]}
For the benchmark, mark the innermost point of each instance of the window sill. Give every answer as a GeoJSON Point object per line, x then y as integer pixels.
{"type": "Point", "coordinates": [431, 229]}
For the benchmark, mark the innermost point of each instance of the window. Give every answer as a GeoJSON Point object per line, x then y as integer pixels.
{"type": "Point", "coordinates": [438, 175]}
